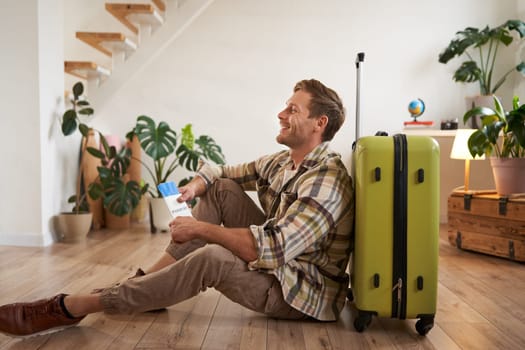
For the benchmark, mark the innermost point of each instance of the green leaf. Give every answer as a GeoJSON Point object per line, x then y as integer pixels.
{"type": "Point", "coordinates": [492, 130]}
{"type": "Point", "coordinates": [188, 158]}
{"type": "Point", "coordinates": [468, 72]}
{"type": "Point", "coordinates": [96, 152]}
{"type": "Point", "coordinates": [521, 67]}
{"type": "Point", "coordinates": [69, 122]}
{"type": "Point", "coordinates": [210, 150]}
{"type": "Point", "coordinates": [500, 112]}
{"type": "Point", "coordinates": [78, 90]}
{"type": "Point", "coordinates": [515, 102]}
{"type": "Point", "coordinates": [477, 111]}
{"type": "Point", "coordinates": [105, 144]}
{"type": "Point", "coordinates": [95, 190]}
{"type": "Point", "coordinates": [112, 152]}
{"type": "Point", "coordinates": [130, 135]}
{"type": "Point", "coordinates": [157, 141]}
{"type": "Point", "coordinates": [84, 129]}
{"type": "Point", "coordinates": [477, 143]}
{"type": "Point", "coordinates": [104, 173]}
{"type": "Point", "coordinates": [82, 103]}
{"type": "Point", "coordinates": [516, 123]}
{"type": "Point", "coordinates": [120, 198]}
{"type": "Point", "coordinates": [188, 139]}
{"type": "Point", "coordinates": [120, 162]}
{"type": "Point", "coordinates": [86, 111]}
{"type": "Point", "coordinates": [516, 25]}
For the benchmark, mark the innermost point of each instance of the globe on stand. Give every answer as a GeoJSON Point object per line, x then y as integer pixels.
{"type": "Point", "coordinates": [416, 108]}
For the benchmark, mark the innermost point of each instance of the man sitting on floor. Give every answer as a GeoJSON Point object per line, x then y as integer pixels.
{"type": "Point", "coordinates": [287, 261]}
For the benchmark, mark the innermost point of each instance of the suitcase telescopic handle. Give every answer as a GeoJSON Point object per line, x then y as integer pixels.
{"type": "Point", "coordinates": [360, 58]}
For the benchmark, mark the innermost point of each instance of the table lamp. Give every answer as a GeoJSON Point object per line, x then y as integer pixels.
{"type": "Point", "coordinates": [460, 151]}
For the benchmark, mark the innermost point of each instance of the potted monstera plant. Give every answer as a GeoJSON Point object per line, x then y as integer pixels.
{"type": "Point", "coordinates": [502, 138]}
{"type": "Point", "coordinates": [482, 51]}
{"type": "Point", "coordinates": [168, 151]}
{"type": "Point", "coordinates": [119, 194]}
{"type": "Point", "coordinates": [76, 224]}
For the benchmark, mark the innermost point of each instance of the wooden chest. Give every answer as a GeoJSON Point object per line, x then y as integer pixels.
{"type": "Point", "coordinates": [487, 223]}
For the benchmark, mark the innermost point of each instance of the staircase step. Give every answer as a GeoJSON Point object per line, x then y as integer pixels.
{"type": "Point", "coordinates": [107, 43]}
{"type": "Point", "coordinates": [132, 14]}
{"type": "Point", "coordinates": [160, 5]}
{"type": "Point", "coordinates": [86, 70]}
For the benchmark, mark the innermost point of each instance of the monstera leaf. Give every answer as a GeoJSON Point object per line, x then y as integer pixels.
{"type": "Point", "coordinates": [157, 141]}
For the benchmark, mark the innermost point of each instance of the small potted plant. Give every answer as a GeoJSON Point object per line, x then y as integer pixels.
{"type": "Point", "coordinates": [502, 138]}
{"type": "Point", "coordinates": [76, 224]}
{"type": "Point", "coordinates": [482, 50]}
{"type": "Point", "coordinates": [168, 151]}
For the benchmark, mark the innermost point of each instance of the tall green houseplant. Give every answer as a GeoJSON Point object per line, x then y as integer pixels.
{"type": "Point", "coordinates": [70, 123]}
{"type": "Point", "coordinates": [482, 47]}
{"type": "Point", "coordinates": [169, 151]}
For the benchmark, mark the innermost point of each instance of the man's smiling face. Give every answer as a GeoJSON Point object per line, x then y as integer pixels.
{"type": "Point", "coordinates": [295, 125]}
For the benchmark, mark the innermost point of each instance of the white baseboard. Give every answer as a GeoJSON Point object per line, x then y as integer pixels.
{"type": "Point", "coordinates": [25, 239]}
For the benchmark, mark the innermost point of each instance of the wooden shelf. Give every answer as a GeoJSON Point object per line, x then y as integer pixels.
{"type": "Point", "coordinates": [160, 5]}
{"type": "Point", "coordinates": [107, 43]}
{"type": "Point", "coordinates": [132, 14]}
{"type": "Point", "coordinates": [86, 70]}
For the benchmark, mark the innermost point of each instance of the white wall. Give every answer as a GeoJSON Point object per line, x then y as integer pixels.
{"type": "Point", "coordinates": [31, 85]}
{"type": "Point", "coordinates": [231, 72]}
{"type": "Point", "coordinates": [57, 153]}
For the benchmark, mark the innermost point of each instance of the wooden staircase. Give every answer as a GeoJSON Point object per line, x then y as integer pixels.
{"type": "Point", "coordinates": [140, 31]}
{"type": "Point", "coordinates": [86, 70]}
{"type": "Point", "coordinates": [132, 15]}
{"type": "Point", "coordinates": [107, 43]}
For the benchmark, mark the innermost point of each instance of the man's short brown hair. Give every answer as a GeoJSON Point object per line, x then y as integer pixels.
{"type": "Point", "coordinates": [325, 101]}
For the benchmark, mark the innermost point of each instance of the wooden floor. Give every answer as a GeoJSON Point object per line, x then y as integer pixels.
{"type": "Point", "coordinates": [481, 304]}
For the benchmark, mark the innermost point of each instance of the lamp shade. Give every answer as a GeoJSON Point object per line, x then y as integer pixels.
{"type": "Point", "coordinates": [460, 145]}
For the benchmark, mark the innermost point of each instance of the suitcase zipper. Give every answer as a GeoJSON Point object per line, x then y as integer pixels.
{"type": "Point", "coordinates": [399, 287]}
{"type": "Point", "coordinates": [400, 227]}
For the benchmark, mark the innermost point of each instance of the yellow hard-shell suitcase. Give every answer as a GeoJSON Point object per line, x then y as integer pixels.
{"type": "Point", "coordinates": [395, 259]}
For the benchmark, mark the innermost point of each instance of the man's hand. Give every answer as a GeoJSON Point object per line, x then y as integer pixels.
{"type": "Point", "coordinates": [239, 241]}
{"type": "Point", "coordinates": [185, 228]}
{"type": "Point", "coordinates": [193, 189]}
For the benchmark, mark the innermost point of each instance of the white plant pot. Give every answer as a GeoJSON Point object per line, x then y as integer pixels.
{"type": "Point", "coordinates": [74, 227]}
{"type": "Point", "coordinates": [160, 215]}
{"type": "Point", "coordinates": [509, 175]}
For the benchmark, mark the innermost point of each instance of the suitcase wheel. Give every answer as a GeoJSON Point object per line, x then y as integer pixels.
{"type": "Point", "coordinates": [362, 321]}
{"type": "Point", "coordinates": [424, 325]}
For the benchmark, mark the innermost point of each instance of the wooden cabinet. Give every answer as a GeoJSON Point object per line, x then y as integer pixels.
{"type": "Point", "coordinates": [487, 223]}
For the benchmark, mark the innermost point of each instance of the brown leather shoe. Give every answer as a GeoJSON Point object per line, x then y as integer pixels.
{"type": "Point", "coordinates": [35, 318]}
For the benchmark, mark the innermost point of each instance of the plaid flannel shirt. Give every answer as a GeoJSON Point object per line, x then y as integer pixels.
{"type": "Point", "coordinates": [306, 240]}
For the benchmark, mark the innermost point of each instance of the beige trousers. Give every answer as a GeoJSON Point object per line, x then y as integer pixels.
{"type": "Point", "coordinates": [200, 266]}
